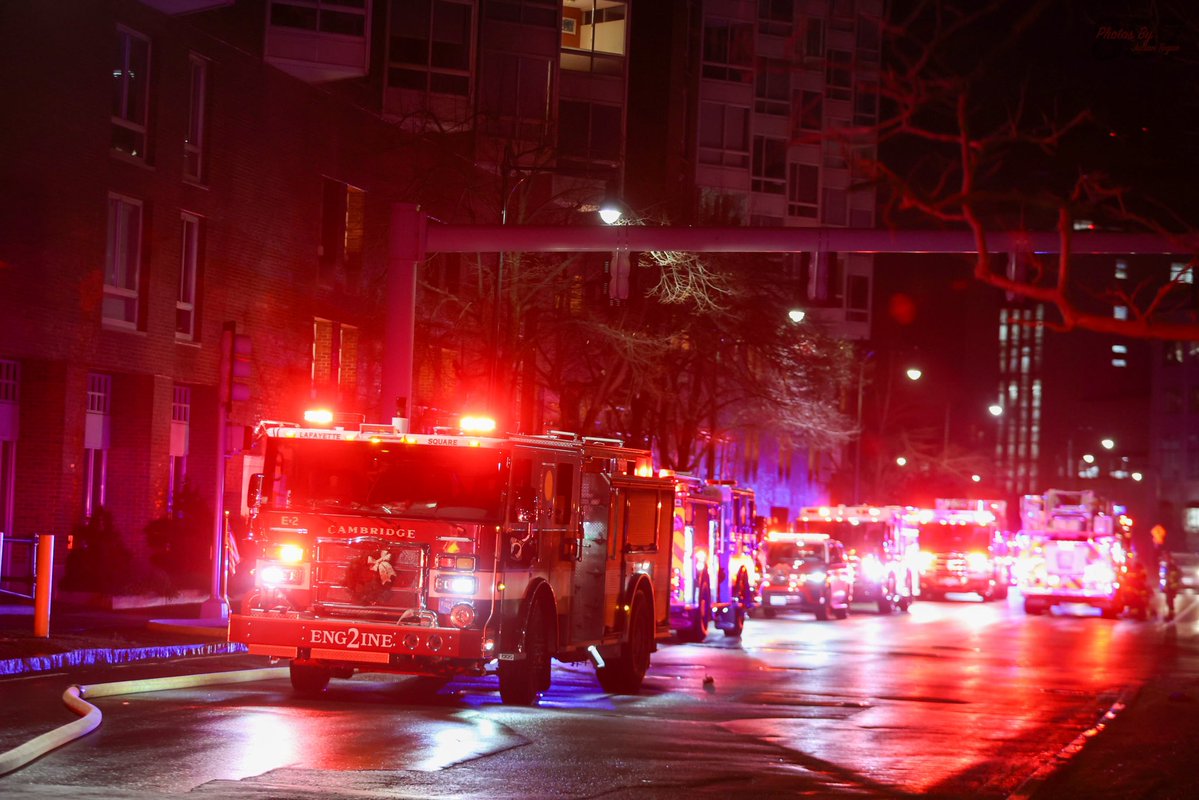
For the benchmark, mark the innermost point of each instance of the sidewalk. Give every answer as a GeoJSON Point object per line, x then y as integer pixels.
{"type": "Point", "coordinates": [82, 636]}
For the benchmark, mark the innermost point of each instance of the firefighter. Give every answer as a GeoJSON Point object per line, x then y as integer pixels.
{"type": "Point", "coordinates": [1135, 588]}
{"type": "Point", "coordinates": [1171, 578]}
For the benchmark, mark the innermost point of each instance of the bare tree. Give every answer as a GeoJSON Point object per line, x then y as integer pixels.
{"type": "Point", "coordinates": [1008, 115]}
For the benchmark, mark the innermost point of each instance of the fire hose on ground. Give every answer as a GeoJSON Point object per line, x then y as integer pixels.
{"type": "Point", "coordinates": [90, 716]}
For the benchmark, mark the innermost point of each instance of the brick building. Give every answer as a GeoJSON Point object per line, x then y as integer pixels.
{"type": "Point", "coordinates": [160, 182]}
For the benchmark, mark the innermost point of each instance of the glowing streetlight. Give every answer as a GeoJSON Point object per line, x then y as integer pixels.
{"type": "Point", "coordinates": [976, 478]}
{"type": "Point", "coordinates": [1137, 476]}
{"type": "Point", "coordinates": [796, 315]}
{"type": "Point", "coordinates": [901, 461]}
{"type": "Point", "coordinates": [1088, 458]}
{"type": "Point", "coordinates": [995, 409]}
{"type": "Point", "coordinates": [914, 373]}
{"type": "Point", "coordinates": [1108, 444]}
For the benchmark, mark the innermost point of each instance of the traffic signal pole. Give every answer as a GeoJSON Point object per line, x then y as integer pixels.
{"type": "Point", "coordinates": [413, 237]}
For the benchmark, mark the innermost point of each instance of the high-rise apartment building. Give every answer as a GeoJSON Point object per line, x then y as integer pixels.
{"type": "Point", "coordinates": [772, 111]}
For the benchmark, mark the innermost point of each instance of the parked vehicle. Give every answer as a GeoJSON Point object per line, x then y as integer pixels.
{"type": "Point", "coordinates": [806, 572]}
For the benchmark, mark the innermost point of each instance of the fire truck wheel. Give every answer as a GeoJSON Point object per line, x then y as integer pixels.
{"type": "Point", "coordinates": [884, 604]}
{"type": "Point", "coordinates": [702, 619]}
{"type": "Point", "coordinates": [522, 681]}
{"type": "Point", "coordinates": [309, 680]}
{"type": "Point", "coordinates": [767, 612]}
{"type": "Point", "coordinates": [842, 612]}
{"type": "Point", "coordinates": [739, 623]}
{"type": "Point", "coordinates": [624, 674]}
{"type": "Point", "coordinates": [823, 607]}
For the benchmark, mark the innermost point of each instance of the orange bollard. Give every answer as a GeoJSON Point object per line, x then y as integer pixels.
{"type": "Point", "coordinates": [45, 580]}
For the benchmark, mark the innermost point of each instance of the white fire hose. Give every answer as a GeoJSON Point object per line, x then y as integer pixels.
{"type": "Point", "coordinates": [90, 716]}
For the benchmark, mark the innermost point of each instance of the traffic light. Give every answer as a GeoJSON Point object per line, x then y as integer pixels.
{"type": "Point", "coordinates": [235, 366]}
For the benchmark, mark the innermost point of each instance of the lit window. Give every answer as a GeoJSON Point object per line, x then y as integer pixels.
{"type": "Point", "coordinates": [1121, 270]}
{"type": "Point", "coordinates": [1120, 312]}
{"type": "Point", "coordinates": [1182, 273]}
{"type": "Point", "coordinates": [1119, 348]}
{"type": "Point", "coordinates": [1119, 362]}
{"type": "Point", "coordinates": [97, 432]}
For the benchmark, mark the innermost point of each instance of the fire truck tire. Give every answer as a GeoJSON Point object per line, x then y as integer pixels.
{"type": "Point", "coordinates": [824, 606]}
{"type": "Point", "coordinates": [842, 612]}
{"type": "Point", "coordinates": [702, 619]}
{"type": "Point", "coordinates": [309, 680]}
{"type": "Point", "coordinates": [767, 612]}
{"type": "Point", "coordinates": [884, 604]}
{"type": "Point", "coordinates": [739, 623]}
{"type": "Point", "coordinates": [521, 682]}
{"type": "Point", "coordinates": [625, 673]}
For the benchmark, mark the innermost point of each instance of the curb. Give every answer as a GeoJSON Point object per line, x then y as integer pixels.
{"type": "Point", "coordinates": [106, 655]}
{"type": "Point", "coordinates": [1033, 783]}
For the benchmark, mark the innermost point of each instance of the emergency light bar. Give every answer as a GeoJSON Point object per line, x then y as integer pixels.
{"type": "Point", "coordinates": [794, 536]}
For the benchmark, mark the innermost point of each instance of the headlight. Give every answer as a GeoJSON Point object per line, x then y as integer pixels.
{"type": "Point", "coordinates": [816, 577]}
{"type": "Point", "coordinates": [977, 562]}
{"type": "Point", "coordinates": [281, 576]}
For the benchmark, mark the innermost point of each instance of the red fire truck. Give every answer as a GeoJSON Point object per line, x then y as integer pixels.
{"type": "Point", "coordinates": [442, 554]}
{"type": "Point", "coordinates": [716, 565]}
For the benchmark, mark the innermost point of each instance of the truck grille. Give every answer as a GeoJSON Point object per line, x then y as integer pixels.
{"type": "Point", "coordinates": [351, 577]}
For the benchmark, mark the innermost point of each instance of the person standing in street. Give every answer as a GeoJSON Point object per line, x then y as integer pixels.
{"type": "Point", "coordinates": [1171, 578]}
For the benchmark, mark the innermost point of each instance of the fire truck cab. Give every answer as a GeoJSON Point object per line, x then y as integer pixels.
{"type": "Point", "coordinates": [880, 544]}
{"type": "Point", "coordinates": [453, 554]}
{"type": "Point", "coordinates": [715, 567]}
{"type": "Point", "coordinates": [1075, 550]}
{"type": "Point", "coordinates": [963, 549]}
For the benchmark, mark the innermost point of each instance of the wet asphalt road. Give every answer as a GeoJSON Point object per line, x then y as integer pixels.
{"type": "Point", "coordinates": [955, 699]}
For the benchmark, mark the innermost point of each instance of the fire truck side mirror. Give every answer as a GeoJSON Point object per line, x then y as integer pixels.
{"type": "Point", "coordinates": [254, 489]}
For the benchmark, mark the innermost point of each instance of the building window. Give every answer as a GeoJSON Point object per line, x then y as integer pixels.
{"type": "Point", "coordinates": [803, 193]}
{"type": "Point", "coordinates": [130, 95]}
{"type": "Point", "coordinates": [869, 40]}
{"type": "Point", "coordinates": [430, 45]}
{"type": "Point", "coordinates": [97, 433]}
{"type": "Point", "coordinates": [1120, 312]}
{"type": "Point", "coordinates": [724, 135]}
{"type": "Point", "coordinates": [189, 268]}
{"type": "Point", "coordinates": [728, 50]}
{"type": "Point", "coordinates": [344, 17]}
{"type": "Point", "coordinates": [814, 38]}
{"type": "Point", "coordinates": [809, 112]}
{"type": "Point", "coordinates": [772, 87]}
{"type": "Point", "coordinates": [769, 165]}
{"type": "Point", "coordinates": [839, 75]}
{"type": "Point", "coordinates": [193, 145]}
{"type": "Point", "coordinates": [122, 268]}
{"type": "Point", "coordinates": [534, 13]}
{"type": "Point", "coordinates": [181, 410]}
{"type": "Point", "coordinates": [834, 210]}
{"type": "Point", "coordinates": [515, 94]}
{"type": "Point", "coordinates": [334, 361]}
{"type": "Point", "coordinates": [865, 104]}
{"type": "Point", "coordinates": [593, 36]}
{"type": "Point", "coordinates": [1122, 270]}
{"type": "Point", "coordinates": [775, 17]}
{"type": "Point", "coordinates": [343, 216]}
{"type": "Point", "coordinates": [589, 131]}
{"type": "Point", "coordinates": [1179, 273]}
{"type": "Point", "coordinates": [857, 301]}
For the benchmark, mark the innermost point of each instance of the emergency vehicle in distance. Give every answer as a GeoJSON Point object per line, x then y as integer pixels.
{"type": "Point", "coordinates": [438, 555]}
{"type": "Point", "coordinates": [806, 571]}
{"type": "Point", "coordinates": [963, 549]}
{"type": "Point", "coordinates": [715, 565]}
{"type": "Point", "coordinates": [1075, 547]}
{"type": "Point", "coordinates": [880, 544]}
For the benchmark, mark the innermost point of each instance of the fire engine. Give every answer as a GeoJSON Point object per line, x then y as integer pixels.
{"type": "Point", "coordinates": [880, 544]}
{"type": "Point", "coordinates": [1076, 547]}
{"type": "Point", "coordinates": [963, 549]}
{"type": "Point", "coordinates": [715, 567]}
{"type": "Point", "coordinates": [444, 554]}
